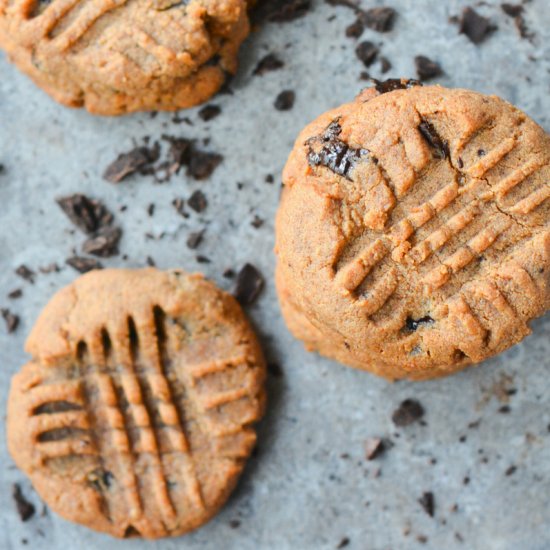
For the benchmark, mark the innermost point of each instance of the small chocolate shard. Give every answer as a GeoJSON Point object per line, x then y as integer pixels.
{"type": "Point", "coordinates": [85, 213]}
{"type": "Point", "coordinates": [408, 412]}
{"type": "Point", "coordinates": [427, 501]}
{"type": "Point", "coordinates": [15, 294]}
{"type": "Point", "coordinates": [379, 19]}
{"type": "Point", "coordinates": [429, 133]}
{"type": "Point", "coordinates": [344, 542]}
{"type": "Point", "coordinates": [82, 264]}
{"type": "Point", "coordinates": [202, 164]}
{"type": "Point", "coordinates": [476, 27]}
{"type": "Point", "coordinates": [197, 201]}
{"type": "Point", "coordinates": [249, 284]}
{"type": "Point", "coordinates": [374, 447]}
{"type": "Point", "coordinates": [208, 112]}
{"type": "Point", "coordinates": [285, 100]}
{"type": "Point", "coordinates": [131, 162]}
{"type": "Point", "coordinates": [179, 205]}
{"type": "Point", "coordinates": [12, 320]}
{"type": "Point", "coordinates": [392, 84]}
{"type": "Point", "coordinates": [25, 273]}
{"type": "Point", "coordinates": [268, 63]}
{"type": "Point", "coordinates": [103, 243]}
{"type": "Point", "coordinates": [426, 68]}
{"type": "Point", "coordinates": [355, 30]}
{"type": "Point", "coordinates": [194, 239]}
{"type": "Point", "coordinates": [367, 52]}
{"type": "Point", "coordinates": [25, 508]}
{"type": "Point", "coordinates": [331, 152]}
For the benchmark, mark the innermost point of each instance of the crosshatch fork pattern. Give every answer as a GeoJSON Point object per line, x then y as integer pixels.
{"type": "Point", "coordinates": [124, 406]}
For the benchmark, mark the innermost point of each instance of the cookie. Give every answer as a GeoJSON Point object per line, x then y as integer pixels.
{"type": "Point", "coordinates": [413, 233]}
{"type": "Point", "coordinates": [119, 56]}
{"type": "Point", "coordinates": [135, 414]}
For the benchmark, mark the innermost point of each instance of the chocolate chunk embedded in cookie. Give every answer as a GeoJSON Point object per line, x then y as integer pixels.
{"type": "Point", "coordinates": [413, 235]}
{"type": "Point", "coordinates": [134, 415]}
{"type": "Point", "coordinates": [119, 56]}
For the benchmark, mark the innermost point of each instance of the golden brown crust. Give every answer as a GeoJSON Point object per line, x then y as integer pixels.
{"type": "Point", "coordinates": [413, 230]}
{"type": "Point", "coordinates": [119, 56]}
{"type": "Point", "coordinates": [135, 414]}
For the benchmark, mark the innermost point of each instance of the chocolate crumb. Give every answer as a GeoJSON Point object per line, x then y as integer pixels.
{"type": "Point", "coordinates": [197, 201]}
{"type": "Point", "coordinates": [150, 262]}
{"type": "Point", "coordinates": [25, 273]}
{"type": "Point", "coordinates": [367, 52]}
{"type": "Point", "coordinates": [408, 412]}
{"type": "Point", "coordinates": [103, 243]}
{"type": "Point", "coordinates": [427, 502]}
{"type": "Point", "coordinates": [285, 100]}
{"type": "Point", "coordinates": [203, 259]}
{"type": "Point", "coordinates": [179, 205]}
{"type": "Point", "coordinates": [194, 239]}
{"type": "Point", "coordinates": [24, 507]}
{"type": "Point", "coordinates": [228, 274]}
{"type": "Point", "coordinates": [379, 19]}
{"type": "Point", "coordinates": [374, 447]}
{"type": "Point", "coordinates": [87, 214]}
{"type": "Point", "coordinates": [131, 162]}
{"type": "Point", "coordinates": [249, 284]}
{"type": "Point", "coordinates": [82, 264]}
{"type": "Point", "coordinates": [385, 65]}
{"type": "Point", "coordinates": [269, 62]}
{"type": "Point", "coordinates": [234, 524]}
{"type": "Point", "coordinates": [14, 294]}
{"type": "Point", "coordinates": [269, 178]}
{"type": "Point", "coordinates": [511, 470]}
{"type": "Point", "coordinates": [343, 543]}
{"type": "Point", "coordinates": [208, 112]}
{"type": "Point", "coordinates": [202, 164]}
{"type": "Point", "coordinates": [12, 320]}
{"type": "Point", "coordinates": [476, 27]}
{"type": "Point", "coordinates": [355, 30]}
{"type": "Point", "coordinates": [426, 68]}
{"type": "Point", "coordinates": [257, 222]}
{"type": "Point", "coordinates": [50, 268]}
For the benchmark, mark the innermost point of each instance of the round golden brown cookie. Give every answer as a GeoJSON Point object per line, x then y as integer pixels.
{"type": "Point", "coordinates": [134, 416]}
{"type": "Point", "coordinates": [413, 234]}
{"type": "Point", "coordinates": [118, 56]}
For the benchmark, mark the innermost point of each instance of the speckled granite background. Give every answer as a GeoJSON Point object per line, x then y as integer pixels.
{"type": "Point", "coordinates": [310, 486]}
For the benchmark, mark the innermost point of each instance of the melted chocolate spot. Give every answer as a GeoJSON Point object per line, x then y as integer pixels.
{"type": "Point", "coordinates": [430, 134]}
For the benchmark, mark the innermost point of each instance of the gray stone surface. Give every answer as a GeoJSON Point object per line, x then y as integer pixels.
{"type": "Point", "coordinates": [310, 486]}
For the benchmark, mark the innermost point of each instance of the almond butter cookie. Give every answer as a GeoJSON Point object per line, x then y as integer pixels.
{"type": "Point", "coordinates": [413, 234]}
{"type": "Point", "coordinates": [135, 414]}
{"type": "Point", "coordinates": [118, 56]}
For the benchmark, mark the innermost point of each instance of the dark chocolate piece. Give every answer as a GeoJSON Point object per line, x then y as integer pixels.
{"type": "Point", "coordinates": [87, 214]}
{"type": "Point", "coordinates": [24, 507]}
{"type": "Point", "coordinates": [429, 133]}
{"type": "Point", "coordinates": [407, 413]}
{"type": "Point", "coordinates": [268, 63]}
{"type": "Point", "coordinates": [249, 284]}
{"type": "Point", "coordinates": [476, 27]}
{"type": "Point", "coordinates": [12, 320]}
{"type": "Point", "coordinates": [133, 161]}
{"type": "Point", "coordinates": [427, 501]}
{"type": "Point", "coordinates": [197, 201]}
{"type": "Point", "coordinates": [208, 112]}
{"type": "Point", "coordinates": [392, 84]}
{"type": "Point", "coordinates": [103, 243]}
{"type": "Point", "coordinates": [426, 68]}
{"type": "Point", "coordinates": [285, 100]}
{"type": "Point", "coordinates": [82, 264]}
{"type": "Point", "coordinates": [367, 52]}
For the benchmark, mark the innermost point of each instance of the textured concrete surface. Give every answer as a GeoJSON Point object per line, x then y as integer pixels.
{"type": "Point", "coordinates": [310, 486]}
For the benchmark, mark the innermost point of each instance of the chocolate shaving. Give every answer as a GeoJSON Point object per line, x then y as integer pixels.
{"type": "Point", "coordinates": [429, 133]}
{"type": "Point", "coordinates": [427, 501]}
{"type": "Point", "coordinates": [12, 320]}
{"type": "Point", "coordinates": [331, 152]}
{"type": "Point", "coordinates": [131, 162]}
{"type": "Point", "coordinates": [249, 284]}
{"type": "Point", "coordinates": [407, 413]}
{"type": "Point", "coordinates": [104, 242]}
{"type": "Point", "coordinates": [82, 264]}
{"type": "Point", "coordinates": [87, 214]}
{"type": "Point", "coordinates": [24, 507]}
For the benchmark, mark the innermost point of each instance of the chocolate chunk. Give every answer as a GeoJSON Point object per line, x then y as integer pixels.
{"type": "Point", "coordinates": [413, 324]}
{"type": "Point", "coordinates": [407, 413]}
{"type": "Point", "coordinates": [268, 63]}
{"type": "Point", "coordinates": [329, 151]}
{"type": "Point", "coordinates": [476, 27]}
{"type": "Point", "coordinates": [133, 161]}
{"type": "Point", "coordinates": [426, 68]}
{"type": "Point", "coordinates": [355, 30]}
{"type": "Point", "coordinates": [367, 52]}
{"type": "Point", "coordinates": [25, 273]}
{"type": "Point", "coordinates": [103, 243]}
{"type": "Point", "coordinates": [392, 84]}
{"type": "Point", "coordinates": [379, 19]}
{"type": "Point", "coordinates": [280, 11]}
{"type": "Point", "coordinates": [427, 502]}
{"type": "Point", "coordinates": [374, 446]}
{"type": "Point", "coordinates": [12, 320]}
{"type": "Point", "coordinates": [14, 294]}
{"type": "Point", "coordinates": [285, 100]}
{"type": "Point", "coordinates": [24, 507]}
{"type": "Point", "coordinates": [194, 239]}
{"type": "Point", "coordinates": [197, 201]}
{"type": "Point", "coordinates": [249, 284]}
{"type": "Point", "coordinates": [429, 133]}
{"type": "Point", "coordinates": [87, 214]}
{"type": "Point", "coordinates": [202, 164]}
{"type": "Point", "coordinates": [343, 543]}
{"type": "Point", "coordinates": [208, 112]}
{"type": "Point", "coordinates": [83, 265]}
{"type": "Point", "coordinates": [179, 205]}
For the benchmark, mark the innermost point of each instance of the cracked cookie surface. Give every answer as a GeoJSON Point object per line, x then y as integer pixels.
{"type": "Point", "coordinates": [119, 56]}
{"type": "Point", "coordinates": [135, 414]}
{"type": "Point", "coordinates": [413, 234]}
